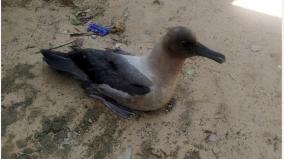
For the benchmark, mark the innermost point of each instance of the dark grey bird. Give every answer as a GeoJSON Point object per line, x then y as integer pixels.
{"type": "Point", "coordinates": [125, 83]}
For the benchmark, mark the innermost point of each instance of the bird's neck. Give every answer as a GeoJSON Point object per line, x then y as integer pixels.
{"type": "Point", "coordinates": [164, 64]}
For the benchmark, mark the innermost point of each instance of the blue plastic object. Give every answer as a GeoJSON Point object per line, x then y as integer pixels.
{"type": "Point", "coordinates": [98, 29]}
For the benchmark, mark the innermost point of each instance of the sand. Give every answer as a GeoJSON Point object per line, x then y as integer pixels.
{"type": "Point", "coordinates": [228, 111]}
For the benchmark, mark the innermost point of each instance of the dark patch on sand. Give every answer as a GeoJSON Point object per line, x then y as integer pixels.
{"type": "Point", "coordinates": [8, 147]}
{"type": "Point", "coordinates": [34, 114]}
{"type": "Point", "coordinates": [185, 120]}
{"type": "Point", "coordinates": [52, 136]}
{"type": "Point", "coordinates": [10, 114]}
{"type": "Point", "coordinates": [16, 3]}
{"type": "Point", "coordinates": [20, 72]}
{"type": "Point", "coordinates": [192, 155]}
{"type": "Point", "coordinates": [103, 144]}
{"type": "Point", "coordinates": [87, 121]}
{"type": "Point", "coordinates": [149, 152]}
{"type": "Point", "coordinates": [21, 143]}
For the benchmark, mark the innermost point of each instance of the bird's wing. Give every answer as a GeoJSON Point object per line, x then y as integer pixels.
{"type": "Point", "coordinates": [111, 69]}
{"type": "Point", "coordinates": [118, 51]}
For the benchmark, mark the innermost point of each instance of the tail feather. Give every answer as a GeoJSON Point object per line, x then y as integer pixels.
{"type": "Point", "coordinates": [61, 62]}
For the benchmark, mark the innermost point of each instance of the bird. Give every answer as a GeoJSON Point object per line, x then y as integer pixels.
{"type": "Point", "coordinates": [126, 83]}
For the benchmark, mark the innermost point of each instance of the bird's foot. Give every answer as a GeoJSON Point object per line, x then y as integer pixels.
{"type": "Point", "coordinates": [120, 110]}
{"type": "Point", "coordinates": [116, 108]}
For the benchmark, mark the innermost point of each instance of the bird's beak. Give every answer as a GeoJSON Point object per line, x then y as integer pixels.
{"type": "Point", "coordinates": [202, 50]}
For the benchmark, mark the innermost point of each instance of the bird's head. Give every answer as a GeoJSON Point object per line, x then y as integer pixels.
{"type": "Point", "coordinates": [181, 42]}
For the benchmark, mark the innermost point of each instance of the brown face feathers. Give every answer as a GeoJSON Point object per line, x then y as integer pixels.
{"type": "Point", "coordinates": [179, 41]}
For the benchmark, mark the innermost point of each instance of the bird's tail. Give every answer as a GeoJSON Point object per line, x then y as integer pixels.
{"type": "Point", "coordinates": [62, 62]}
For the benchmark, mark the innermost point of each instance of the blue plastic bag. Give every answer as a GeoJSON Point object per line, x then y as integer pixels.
{"type": "Point", "coordinates": [98, 29]}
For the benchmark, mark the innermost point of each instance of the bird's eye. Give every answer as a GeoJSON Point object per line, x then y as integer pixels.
{"type": "Point", "coordinates": [183, 43]}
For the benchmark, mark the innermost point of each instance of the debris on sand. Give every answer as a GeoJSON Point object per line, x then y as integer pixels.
{"type": "Point", "coordinates": [82, 17]}
{"type": "Point", "coordinates": [98, 29]}
{"type": "Point", "coordinates": [117, 27]}
{"type": "Point", "coordinates": [85, 13]}
{"type": "Point", "coordinates": [118, 23]}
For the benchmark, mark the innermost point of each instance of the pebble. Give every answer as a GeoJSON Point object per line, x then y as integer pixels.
{"type": "Point", "coordinates": [126, 154]}
{"type": "Point", "coordinates": [65, 32]}
{"type": "Point", "coordinates": [93, 36]}
{"type": "Point", "coordinates": [117, 45]}
{"type": "Point", "coordinates": [212, 138]}
{"type": "Point", "coordinates": [67, 141]}
{"type": "Point", "coordinates": [29, 46]}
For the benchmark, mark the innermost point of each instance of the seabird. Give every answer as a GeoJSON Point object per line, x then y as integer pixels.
{"type": "Point", "coordinates": [126, 83]}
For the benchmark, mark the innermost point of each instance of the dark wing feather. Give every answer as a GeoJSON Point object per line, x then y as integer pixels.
{"type": "Point", "coordinates": [112, 69]}
{"type": "Point", "coordinates": [61, 62]}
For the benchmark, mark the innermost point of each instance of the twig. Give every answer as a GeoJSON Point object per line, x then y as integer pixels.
{"type": "Point", "coordinates": [57, 46]}
{"type": "Point", "coordinates": [77, 29]}
{"type": "Point", "coordinates": [81, 34]}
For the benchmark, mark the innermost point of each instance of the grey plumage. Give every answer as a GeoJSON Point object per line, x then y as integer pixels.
{"type": "Point", "coordinates": [126, 83]}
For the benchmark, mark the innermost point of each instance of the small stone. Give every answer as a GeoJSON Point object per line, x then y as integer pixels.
{"type": "Point", "coordinates": [69, 134]}
{"type": "Point", "coordinates": [126, 154]}
{"type": "Point", "coordinates": [94, 36]}
{"type": "Point", "coordinates": [65, 32]}
{"type": "Point", "coordinates": [88, 10]}
{"type": "Point", "coordinates": [66, 141]}
{"type": "Point", "coordinates": [117, 45]}
{"type": "Point", "coordinates": [255, 48]}
{"type": "Point", "coordinates": [190, 72]}
{"type": "Point", "coordinates": [29, 46]}
{"type": "Point", "coordinates": [212, 137]}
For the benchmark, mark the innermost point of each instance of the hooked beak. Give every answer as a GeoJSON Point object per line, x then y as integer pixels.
{"type": "Point", "coordinates": [202, 50]}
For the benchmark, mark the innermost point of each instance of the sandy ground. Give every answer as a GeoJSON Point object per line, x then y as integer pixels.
{"type": "Point", "coordinates": [228, 111]}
